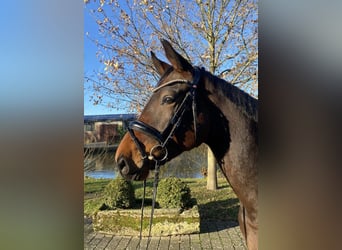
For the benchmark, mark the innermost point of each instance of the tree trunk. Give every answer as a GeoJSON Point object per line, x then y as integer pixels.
{"type": "Point", "coordinates": [211, 174]}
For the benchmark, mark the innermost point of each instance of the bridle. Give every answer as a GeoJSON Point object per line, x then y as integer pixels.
{"type": "Point", "coordinates": [188, 102]}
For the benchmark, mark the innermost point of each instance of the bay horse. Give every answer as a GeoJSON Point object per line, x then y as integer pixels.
{"type": "Point", "coordinates": [190, 106]}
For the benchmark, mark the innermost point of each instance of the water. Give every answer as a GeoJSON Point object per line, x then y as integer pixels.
{"type": "Point", "coordinates": [100, 165]}
{"type": "Point", "coordinates": [101, 174]}
{"type": "Point", "coordinates": [188, 165]}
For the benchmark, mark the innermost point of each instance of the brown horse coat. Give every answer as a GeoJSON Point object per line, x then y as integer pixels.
{"type": "Point", "coordinates": [226, 120]}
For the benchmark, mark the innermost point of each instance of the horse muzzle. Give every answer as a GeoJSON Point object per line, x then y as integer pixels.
{"type": "Point", "coordinates": [130, 171]}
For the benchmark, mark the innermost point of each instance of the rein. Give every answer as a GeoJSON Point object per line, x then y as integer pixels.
{"type": "Point", "coordinates": [155, 187]}
{"type": "Point", "coordinates": [164, 137]}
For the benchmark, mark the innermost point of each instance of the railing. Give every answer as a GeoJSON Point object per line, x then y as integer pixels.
{"type": "Point", "coordinates": [99, 145]}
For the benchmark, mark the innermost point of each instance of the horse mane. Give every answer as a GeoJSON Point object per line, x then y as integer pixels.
{"type": "Point", "coordinates": [246, 103]}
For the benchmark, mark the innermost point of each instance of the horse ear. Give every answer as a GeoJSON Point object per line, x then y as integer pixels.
{"type": "Point", "coordinates": [160, 66]}
{"type": "Point", "coordinates": [178, 62]}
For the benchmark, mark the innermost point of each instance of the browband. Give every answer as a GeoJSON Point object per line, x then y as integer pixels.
{"type": "Point", "coordinates": [194, 81]}
{"type": "Point", "coordinates": [169, 83]}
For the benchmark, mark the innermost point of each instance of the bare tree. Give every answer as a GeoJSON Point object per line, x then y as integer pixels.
{"type": "Point", "coordinates": [219, 35]}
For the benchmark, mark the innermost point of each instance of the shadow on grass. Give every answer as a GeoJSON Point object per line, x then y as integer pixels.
{"type": "Point", "coordinates": [218, 215]}
{"type": "Point", "coordinates": [147, 203]}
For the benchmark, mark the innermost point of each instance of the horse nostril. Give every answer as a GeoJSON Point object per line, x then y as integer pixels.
{"type": "Point", "coordinates": [121, 163]}
{"type": "Point", "coordinates": [123, 167]}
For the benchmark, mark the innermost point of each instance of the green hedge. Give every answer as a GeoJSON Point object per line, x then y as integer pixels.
{"type": "Point", "coordinates": [119, 193]}
{"type": "Point", "coordinates": [173, 193]}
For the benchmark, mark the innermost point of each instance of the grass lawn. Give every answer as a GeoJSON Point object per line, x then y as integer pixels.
{"type": "Point", "coordinates": [221, 204]}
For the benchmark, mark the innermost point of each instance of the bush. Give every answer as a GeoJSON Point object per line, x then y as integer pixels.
{"type": "Point", "coordinates": [173, 193]}
{"type": "Point", "coordinates": [119, 193]}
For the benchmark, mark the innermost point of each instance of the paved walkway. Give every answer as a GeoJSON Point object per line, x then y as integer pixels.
{"type": "Point", "coordinates": [214, 235]}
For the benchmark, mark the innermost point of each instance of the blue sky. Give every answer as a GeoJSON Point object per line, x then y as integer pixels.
{"type": "Point", "coordinates": [92, 65]}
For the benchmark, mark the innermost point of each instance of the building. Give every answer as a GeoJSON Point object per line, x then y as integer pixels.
{"type": "Point", "coordinates": [105, 129]}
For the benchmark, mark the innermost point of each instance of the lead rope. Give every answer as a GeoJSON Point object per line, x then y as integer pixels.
{"type": "Point", "coordinates": [155, 186]}
{"type": "Point", "coordinates": [194, 110]}
{"type": "Point", "coordinates": [142, 212]}
{"type": "Point", "coordinates": [244, 221]}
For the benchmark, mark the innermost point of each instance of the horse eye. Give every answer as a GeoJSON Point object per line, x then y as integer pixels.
{"type": "Point", "coordinates": [167, 99]}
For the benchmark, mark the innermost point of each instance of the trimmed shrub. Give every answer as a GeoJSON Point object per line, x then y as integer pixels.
{"type": "Point", "coordinates": [119, 193]}
{"type": "Point", "coordinates": [173, 193]}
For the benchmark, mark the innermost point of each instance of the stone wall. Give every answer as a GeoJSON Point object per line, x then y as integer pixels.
{"type": "Point", "coordinates": [166, 222]}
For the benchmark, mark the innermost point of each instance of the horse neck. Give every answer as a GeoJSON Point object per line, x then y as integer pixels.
{"type": "Point", "coordinates": [232, 110]}
{"type": "Point", "coordinates": [228, 97]}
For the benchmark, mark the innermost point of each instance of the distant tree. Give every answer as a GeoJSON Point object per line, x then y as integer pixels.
{"type": "Point", "coordinates": [219, 35]}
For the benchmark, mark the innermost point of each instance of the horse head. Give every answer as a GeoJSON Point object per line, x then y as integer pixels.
{"type": "Point", "coordinates": [173, 120]}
